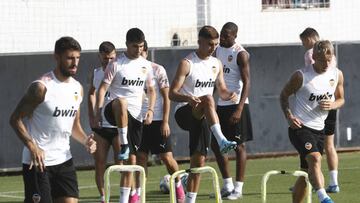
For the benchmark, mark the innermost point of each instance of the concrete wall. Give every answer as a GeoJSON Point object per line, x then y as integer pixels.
{"type": "Point", "coordinates": [271, 67]}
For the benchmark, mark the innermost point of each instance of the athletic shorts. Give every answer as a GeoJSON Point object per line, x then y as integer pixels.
{"type": "Point", "coordinates": [56, 181]}
{"type": "Point", "coordinates": [198, 130]}
{"type": "Point", "coordinates": [153, 140]}
{"type": "Point", "coordinates": [107, 133]}
{"type": "Point", "coordinates": [330, 123]}
{"type": "Point", "coordinates": [134, 128]}
{"type": "Point", "coordinates": [240, 132]}
{"type": "Point", "coordinates": [306, 140]}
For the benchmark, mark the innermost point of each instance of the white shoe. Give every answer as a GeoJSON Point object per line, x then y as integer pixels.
{"type": "Point", "coordinates": [234, 195]}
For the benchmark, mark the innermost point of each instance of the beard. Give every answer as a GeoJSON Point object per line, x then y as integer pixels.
{"type": "Point", "coordinates": [65, 72]}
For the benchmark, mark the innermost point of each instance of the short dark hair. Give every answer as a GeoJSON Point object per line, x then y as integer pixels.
{"type": "Point", "coordinates": [66, 43]}
{"type": "Point", "coordinates": [106, 47]}
{"type": "Point", "coordinates": [310, 33]}
{"type": "Point", "coordinates": [135, 35]}
{"type": "Point", "coordinates": [231, 26]}
{"type": "Point", "coordinates": [208, 32]}
{"type": "Point", "coordinates": [145, 46]}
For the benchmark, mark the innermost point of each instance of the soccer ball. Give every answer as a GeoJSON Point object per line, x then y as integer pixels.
{"type": "Point", "coordinates": [165, 184]}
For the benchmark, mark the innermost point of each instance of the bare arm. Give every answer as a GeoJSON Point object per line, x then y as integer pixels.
{"type": "Point", "coordinates": [339, 96]}
{"type": "Point", "coordinates": [224, 93]}
{"type": "Point", "coordinates": [150, 112]}
{"type": "Point", "coordinates": [291, 87]}
{"type": "Point", "coordinates": [25, 108]}
{"type": "Point", "coordinates": [79, 135]}
{"type": "Point", "coordinates": [91, 101]}
{"type": "Point", "coordinates": [174, 93]}
{"type": "Point", "coordinates": [100, 102]}
{"type": "Point", "coordinates": [165, 129]}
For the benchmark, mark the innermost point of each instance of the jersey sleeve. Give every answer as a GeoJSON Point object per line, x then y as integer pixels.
{"type": "Point", "coordinates": [110, 72]}
{"type": "Point", "coordinates": [150, 77]}
{"type": "Point", "coordinates": [162, 78]}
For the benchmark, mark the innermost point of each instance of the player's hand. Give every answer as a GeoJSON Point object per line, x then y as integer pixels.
{"type": "Point", "coordinates": [294, 122]}
{"type": "Point", "coordinates": [165, 129]}
{"type": "Point", "coordinates": [149, 117]}
{"type": "Point", "coordinates": [193, 101]}
{"type": "Point", "coordinates": [232, 97]}
{"type": "Point", "coordinates": [37, 157]}
{"type": "Point", "coordinates": [235, 117]}
{"type": "Point", "coordinates": [326, 104]}
{"type": "Point", "coordinates": [90, 143]}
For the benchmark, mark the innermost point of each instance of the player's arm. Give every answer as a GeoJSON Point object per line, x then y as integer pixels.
{"type": "Point", "coordinates": [174, 92]}
{"type": "Point", "coordinates": [25, 108]}
{"type": "Point", "coordinates": [339, 96]}
{"type": "Point", "coordinates": [150, 111]}
{"type": "Point", "coordinates": [223, 91]}
{"type": "Point", "coordinates": [79, 135]}
{"type": "Point", "coordinates": [91, 101]}
{"type": "Point", "coordinates": [291, 87]}
{"type": "Point", "coordinates": [165, 129]}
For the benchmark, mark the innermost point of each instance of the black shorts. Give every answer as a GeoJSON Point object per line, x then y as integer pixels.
{"type": "Point", "coordinates": [56, 181]}
{"type": "Point", "coordinates": [306, 140]}
{"type": "Point", "coordinates": [330, 123]}
{"type": "Point", "coordinates": [134, 128]}
{"type": "Point", "coordinates": [240, 132]}
{"type": "Point", "coordinates": [198, 130]}
{"type": "Point", "coordinates": [153, 140]}
{"type": "Point", "coordinates": [107, 133]}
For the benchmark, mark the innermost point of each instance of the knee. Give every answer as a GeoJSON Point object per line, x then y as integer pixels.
{"type": "Point", "coordinates": [313, 158]}
{"type": "Point", "coordinates": [208, 101]}
{"type": "Point", "coordinates": [119, 104]}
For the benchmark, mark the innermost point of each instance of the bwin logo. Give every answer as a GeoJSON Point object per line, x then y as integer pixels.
{"type": "Point", "coordinates": [320, 97]}
{"type": "Point", "coordinates": [209, 83]}
{"type": "Point", "coordinates": [64, 112]}
{"type": "Point", "coordinates": [130, 82]}
{"type": "Point", "coordinates": [226, 69]}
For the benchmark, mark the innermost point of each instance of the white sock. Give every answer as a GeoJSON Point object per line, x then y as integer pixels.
{"type": "Point", "coordinates": [238, 186]}
{"type": "Point", "coordinates": [216, 130]}
{"type": "Point", "coordinates": [333, 177]}
{"type": "Point", "coordinates": [138, 191]}
{"type": "Point", "coordinates": [123, 135]}
{"type": "Point", "coordinates": [124, 194]}
{"type": "Point", "coordinates": [321, 194]}
{"type": "Point", "coordinates": [102, 198]}
{"type": "Point", "coordinates": [178, 184]}
{"type": "Point", "coordinates": [190, 197]}
{"type": "Point", "coordinates": [228, 184]}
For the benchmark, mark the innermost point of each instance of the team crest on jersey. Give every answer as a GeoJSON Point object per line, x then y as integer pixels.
{"type": "Point", "coordinates": [214, 70]}
{"type": "Point", "coordinates": [76, 96]}
{"type": "Point", "coordinates": [143, 70]}
{"type": "Point", "coordinates": [332, 82]}
{"type": "Point", "coordinates": [230, 58]}
{"type": "Point", "coordinates": [308, 145]}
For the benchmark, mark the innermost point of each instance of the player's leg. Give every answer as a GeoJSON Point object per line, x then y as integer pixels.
{"type": "Point", "coordinates": [207, 108]}
{"type": "Point", "coordinates": [100, 157]}
{"type": "Point", "coordinates": [331, 154]}
{"type": "Point", "coordinates": [36, 184]}
{"type": "Point", "coordinates": [116, 114]}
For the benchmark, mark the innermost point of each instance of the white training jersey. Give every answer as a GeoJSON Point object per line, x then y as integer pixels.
{"type": "Point", "coordinates": [98, 78]}
{"type": "Point", "coordinates": [127, 79]}
{"type": "Point", "coordinates": [52, 121]}
{"type": "Point", "coordinates": [231, 70]}
{"type": "Point", "coordinates": [161, 81]}
{"type": "Point", "coordinates": [315, 87]}
{"type": "Point", "coordinates": [201, 78]}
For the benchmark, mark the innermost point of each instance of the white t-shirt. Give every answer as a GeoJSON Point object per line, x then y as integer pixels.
{"type": "Point", "coordinates": [98, 78]}
{"type": "Point", "coordinates": [314, 88]}
{"type": "Point", "coordinates": [52, 121]}
{"type": "Point", "coordinates": [127, 79]}
{"type": "Point", "coordinates": [161, 81]}
{"type": "Point", "coordinates": [232, 74]}
{"type": "Point", "coordinates": [201, 78]}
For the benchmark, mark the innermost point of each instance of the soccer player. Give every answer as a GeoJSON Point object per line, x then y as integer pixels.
{"type": "Point", "coordinates": [107, 135]}
{"type": "Point", "coordinates": [234, 116]}
{"type": "Point", "coordinates": [318, 88]}
{"type": "Point", "coordinates": [125, 79]}
{"type": "Point", "coordinates": [308, 38]}
{"type": "Point", "coordinates": [156, 136]}
{"type": "Point", "coordinates": [193, 86]}
{"type": "Point", "coordinates": [44, 119]}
